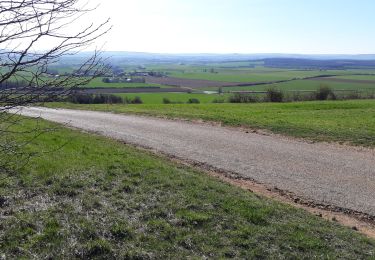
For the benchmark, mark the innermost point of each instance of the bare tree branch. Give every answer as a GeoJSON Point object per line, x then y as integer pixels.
{"type": "Point", "coordinates": [25, 26]}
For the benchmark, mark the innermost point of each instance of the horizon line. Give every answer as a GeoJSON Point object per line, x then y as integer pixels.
{"type": "Point", "coordinates": [238, 53]}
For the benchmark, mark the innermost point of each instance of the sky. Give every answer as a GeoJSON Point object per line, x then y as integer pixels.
{"type": "Point", "coordinates": [239, 26]}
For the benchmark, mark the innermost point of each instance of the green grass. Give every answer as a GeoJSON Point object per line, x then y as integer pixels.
{"type": "Point", "coordinates": [339, 121]}
{"type": "Point", "coordinates": [96, 198]}
{"type": "Point", "coordinates": [240, 76]}
{"type": "Point", "coordinates": [243, 74]}
{"type": "Point", "coordinates": [257, 74]}
{"type": "Point", "coordinates": [263, 74]}
{"type": "Point", "coordinates": [98, 83]}
{"type": "Point", "coordinates": [157, 98]}
{"type": "Point", "coordinates": [306, 85]}
{"type": "Point", "coordinates": [359, 77]}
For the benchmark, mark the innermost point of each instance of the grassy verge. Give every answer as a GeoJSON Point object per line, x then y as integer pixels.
{"type": "Point", "coordinates": [157, 98]}
{"type": "Point", "coordinates": [96, 198]}
{"type": "Point", "coordinates": [340, 121]}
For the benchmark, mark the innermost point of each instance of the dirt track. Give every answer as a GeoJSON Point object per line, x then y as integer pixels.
{"type": "Point", "coordinates": [334, 175]}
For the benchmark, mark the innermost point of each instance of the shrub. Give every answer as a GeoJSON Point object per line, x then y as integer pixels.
{"type": "Point", "coordinates": [242, 98]}
{"type": "Point", "coordinates": [81, 98]}
{"type": "Point", "coordinates": [166, 101]}
{"type": "Point", "coordinates": [94, 99]}
{"type": "Point", "coordinates": [127, 100]}
{"type": "Point", "coordinates": [137, 100]}
{"type": "Point", "coordinates": [112, 99]}
{"type": "Point", "coordinates": [99, 99]}
{"type": "Point", "coordinates": [106, 80]}
{"type": "Point", "coordinates": [218, 100]}
{"type": "Point", "coordinates": [193, 101]}
{"type": "Point", "coordinates": [324, 92]}
{"type": "Point", "coordinates": [296, 96]}
{"type": "Point", "coordinates": [275, 95]}
{"type": "Point", "coordinates": [353, 95]}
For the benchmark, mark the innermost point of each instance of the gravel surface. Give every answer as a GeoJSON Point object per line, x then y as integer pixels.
{"type": "Point", "coordinates": [326, 173]}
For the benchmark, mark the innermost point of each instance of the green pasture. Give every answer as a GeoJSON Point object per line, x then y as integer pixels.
{"type": "Point", "coordinates": [157, 98]}
{"type": "Point", "coordinates": [257, 74]}
{"type": "Point", "coordinates": [82, 196]}
{"type": "Point", "coordinates": [359, 77]}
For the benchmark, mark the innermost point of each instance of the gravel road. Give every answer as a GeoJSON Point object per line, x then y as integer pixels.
{"type": "Point", "coordinates": [331, 174]}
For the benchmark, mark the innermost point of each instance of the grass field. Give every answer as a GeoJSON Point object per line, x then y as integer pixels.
{"type": "Point", "coordinates": [95, 198]}
{"type": "Point", "coordinates": [243, 75]}
{"type": "Point", "coordinates": [339, 121]}
{"type": "Point", "coordinates": [359, 77]}
{"type": "Point", "coordinates": [257, 74]}
{"type": "Point", "coordinates": [231, 73]}
{"type": "Point", "coordinates": [157, 98]}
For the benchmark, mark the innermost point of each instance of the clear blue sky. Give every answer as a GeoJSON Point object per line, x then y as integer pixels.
{"type": "Point", "coordinates": [241, 26]}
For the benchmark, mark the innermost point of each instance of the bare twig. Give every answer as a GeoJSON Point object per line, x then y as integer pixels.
{"type": "Point", "coordinates": [24, 76]}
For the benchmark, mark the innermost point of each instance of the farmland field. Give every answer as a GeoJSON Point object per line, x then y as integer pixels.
{"type": "Point", "coordinates": [257, 74]}
{"type": "Point", "coordinates": [247, 75]}
{"type": "Point", "coordinates": [340, 121]}
{"type": "Point", "coordinates": [96, 198]}
{"type": "Point", "coordinates": [359, 77]}
{"type": "Point", "coordinates": [306, 85]}
{"type": "Point", "coordinates": [212, 76]}
{"type": "Point", "coordinates": [98, 83]}
{"type": "Point", "coordinates": [188, 83]}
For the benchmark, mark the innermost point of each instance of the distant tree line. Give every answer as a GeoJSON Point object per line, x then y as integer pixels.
{"type": "Point", "coordinates": [276, 95]}
{"type": "Point", "coordinates": [13, 84]}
